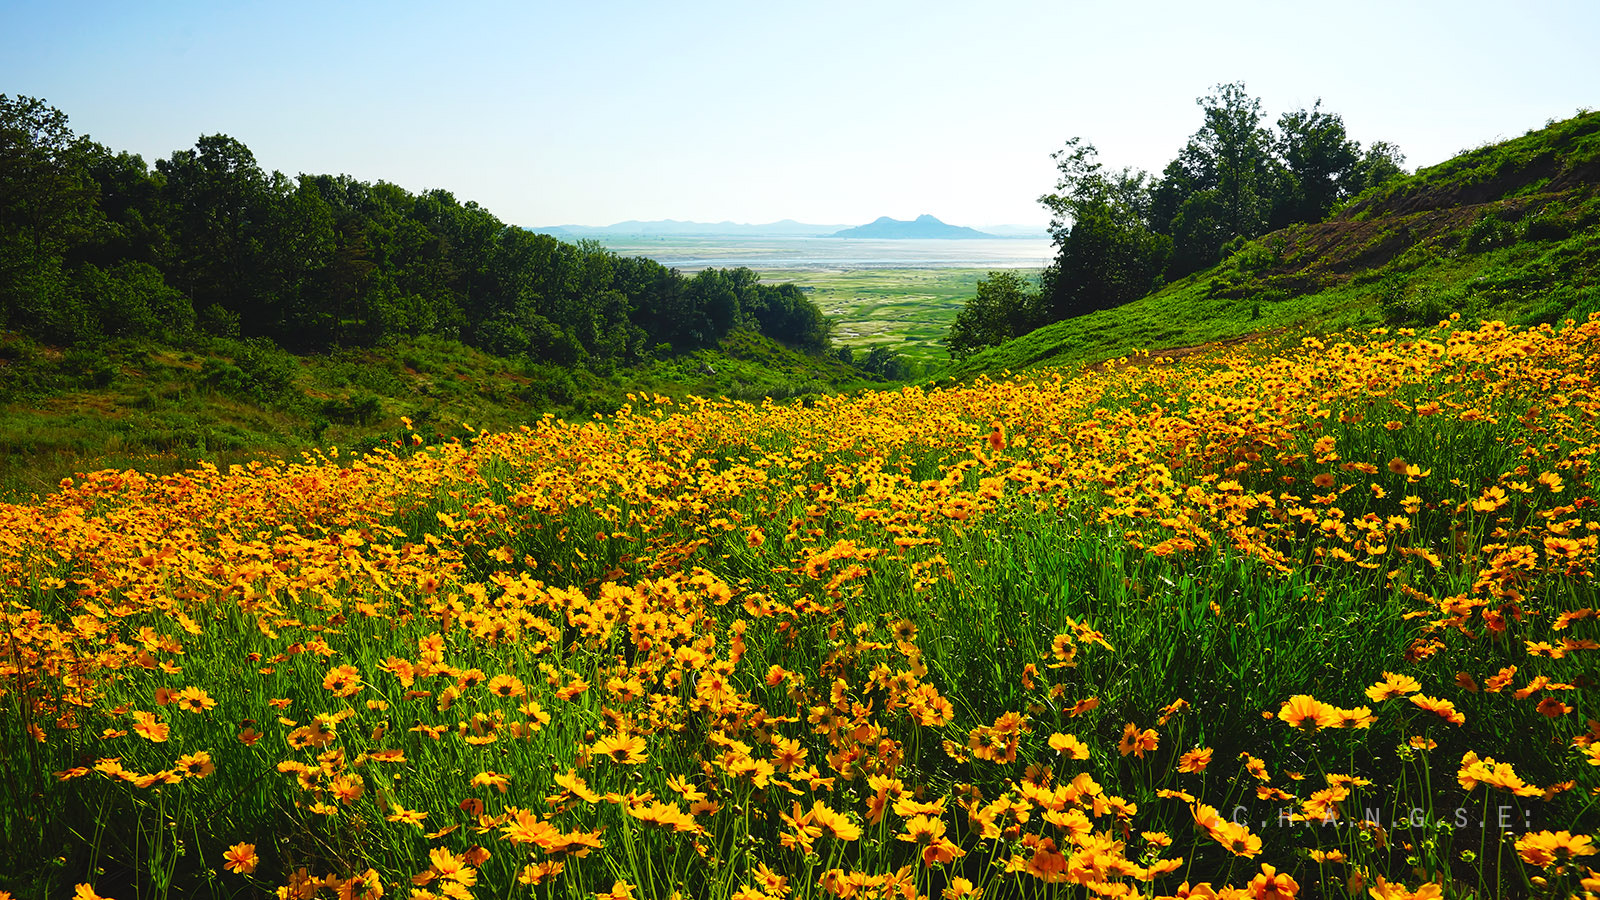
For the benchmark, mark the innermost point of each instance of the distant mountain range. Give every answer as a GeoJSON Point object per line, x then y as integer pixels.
{"type": "Point", "coordinates": [883, 228]}
{"type": "Point", "coordinates": [923, 226]}
{"type": "Point", "coordinates": [788, 227]}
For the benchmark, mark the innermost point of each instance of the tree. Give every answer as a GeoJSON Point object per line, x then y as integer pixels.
{"type": "Point", "coordinates": [129, 198]}
{"type": "Point", "coordinates": [1238, 151]}
{"type": "Point", "coordinates": [219, 208]}
{"type": "Point", "coordinates": [885, 363]}
{"type": "Point", "coordinates": [1004, 308]}
{"type": "Point", "coordinates": [1222, 184]}
{"type": "Point", "coordinates": [1321, 161]}
{"type": "Point", "coordinates": [47, 205]}
{"type": "Point", "coordinates": [1107, 255]}
{"type": "Point", "coordinates": [1381, 163]}
{"type": "Point", "coordinates": [300, 248]}
{"type": "Point", "coordinates": [94, 243]}
{"type": "Point", "coordinates": [1108, 258]}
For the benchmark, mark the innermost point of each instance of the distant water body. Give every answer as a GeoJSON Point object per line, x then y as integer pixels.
{"type": "Point", "coordinates": [691, 254]}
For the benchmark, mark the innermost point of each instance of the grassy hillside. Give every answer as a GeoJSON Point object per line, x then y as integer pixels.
{"type": "Point", "coordinates": [163, 408]}
{"type": "Point", "coordinates": [1317, 622]}
{"type": "Point", "coordinates": [1508, 231]}
{"type": "Point", "coordinates": [1294, 618]}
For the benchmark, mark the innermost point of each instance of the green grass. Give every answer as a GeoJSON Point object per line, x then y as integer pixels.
{"type": "Point", "coordinates": [1071, 518]}
{"type": "Point", "coordinates": [1222, 631]}
{"type": "Point", "coordinates": [1527, 260]}
{"type": "Point", "coordinates": [908, 310]}
{"type": "Point", "coordinates": [1539, 160]}
{"type": "Point", "coordinates": [160, 408]}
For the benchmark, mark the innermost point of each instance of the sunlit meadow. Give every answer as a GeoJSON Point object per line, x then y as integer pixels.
{"type": "Point", "coordinates": [1316, 619]}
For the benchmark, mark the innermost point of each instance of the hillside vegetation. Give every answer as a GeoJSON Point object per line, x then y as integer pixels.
{"type": "Point", "coordinates": [205, 309]}
{"type": "Point", "coordinates": [1311, 621]}
{"type": "Point", "coordinates": [1299, 600]}
{"type": "Point", "coordinates": [164, 407]}
{"type": "Point", "coordinates": [1509, 231]}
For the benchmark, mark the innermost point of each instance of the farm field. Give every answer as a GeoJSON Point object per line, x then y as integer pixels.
{"type": "Point", "coordinates": [909, 310]}
{"type": "Point", "coordinates": [902, 294]}
{"type": "Point", "coordinates": [1317, 618]}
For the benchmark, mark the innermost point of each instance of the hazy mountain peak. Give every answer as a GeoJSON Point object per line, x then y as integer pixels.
{"type": "Point", "coordinates": [923, 226]}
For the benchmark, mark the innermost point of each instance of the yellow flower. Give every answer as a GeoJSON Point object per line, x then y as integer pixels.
{"type": "Point", "coordinates": [1195, 761]}
{"type": "Point", "coordinates": [1307, 713]}
{"type": "Point", "coordinates": [1069, 745]}
{"type": "Point", "coordinates": [241, 858]}
{"type": "Point", "coordinates": [491, 779]}
{"type": "Point", "coordinates": [1553, 848]}
{"type": "Point", "coordinates": [1272, 885]}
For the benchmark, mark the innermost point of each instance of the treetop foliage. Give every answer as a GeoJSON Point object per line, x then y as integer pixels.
{"type": "Point", "coordinates": [1121, 234]}
{"type": "Point", "coordinates": [95, 244]}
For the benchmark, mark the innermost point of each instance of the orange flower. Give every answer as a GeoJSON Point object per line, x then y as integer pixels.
{"type": "Point", "coordinates": [1307, 713]}
{"type": "Point", "coordinates": [1393, 686]}
{"type": "Point", "coordinates": [1385, 890]}
{"type": "Point", "coordinates": [1444, 709]}
{"type": "Point", "coordinates": [241, 858]}
{"type": "Point", "coordinates": [1069, 745]}
{"type": "Point", "coordinates": [1195, 761]}
{"type": "Point", "coordinates": [1553, 848]}
{"type": "Point", "coordinates": [572, 689]}
{"type": "Point", "coordinates": [1553, 708]}
{"type": "Point", "coordinates": [343, 681]}
{"type": "Point", "coordinates": [506, 686]}
{"type": "Point", "coordinates": [491, 779]}
{"type": "Point", "coordinates": [961, 889]}
{"type": "Point", "coordinates": [1137, 742]}
{"type": "Point", "coordinates": [195, 765]}
{"type": "Point", "coordinates": [1272, 884]}
{"type": "Point", "coordinates": [1360, 717]}
{"type": "Point", "coordinates": [622, 748]}
{"type": "Point", "coordinates": [147, 726]}
{"type": "Point", "coordinates": [194, 700]}
{"type": "Point", "coordinates": [407, 816]}
{"type": "Point", "coordinates": [1083, 706]}
{"type": "Point", "coordinates": [1256, 767]}
{"type": "Point", "coordinates": [832, 822]}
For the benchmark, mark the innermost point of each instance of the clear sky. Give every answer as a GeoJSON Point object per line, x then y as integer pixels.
{"type": "Point", "coordinates": [752, 111]}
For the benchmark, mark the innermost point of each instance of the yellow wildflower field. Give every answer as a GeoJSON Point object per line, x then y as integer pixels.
{"type": "Point", "coordinates": [1277, 620]}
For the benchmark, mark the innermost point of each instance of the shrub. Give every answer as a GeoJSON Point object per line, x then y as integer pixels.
{"type": "Point", "coordinates": [1488, 233]}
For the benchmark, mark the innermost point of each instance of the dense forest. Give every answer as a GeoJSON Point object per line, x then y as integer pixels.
{"type": "Point", "coordinates": [1121, 234]}
{"type": "Point", "coordinates": [95, 244]}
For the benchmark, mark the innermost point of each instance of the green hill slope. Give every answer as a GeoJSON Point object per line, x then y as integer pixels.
{"type": "Point", "coordinates": [164, 408]}
{"type": "Point", "coordinates": [1507, 231]}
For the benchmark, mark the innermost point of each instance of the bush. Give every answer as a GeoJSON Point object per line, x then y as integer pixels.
{"type": "Point", "coordinates": [362, 409]}
{"type": "Point", "coordinates": [548, 385]}
{"type": "Point", "coordinates": [134, 300]}
{"type": "Point", "coordinates": [219, 321]}
{"type": "Point", "coordinates": [90, 368]}
{"type": "Point", "coordinates": [1407, 304]}
{"type": "Point", "coordinates": [1548, 225]}
{"type": "Point", "coordinates": [260, 372]}
{"type": "Point", "coordinates": [1488, 233]}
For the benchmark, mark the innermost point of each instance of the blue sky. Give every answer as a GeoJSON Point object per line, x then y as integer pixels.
{"type": "Point", "coordinates": [591, 113]}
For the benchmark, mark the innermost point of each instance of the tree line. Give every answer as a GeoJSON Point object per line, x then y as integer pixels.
{"type": "Point", "coordinates": [1121, 234]}
{"type": "Point", "coordinates": [95, 244]}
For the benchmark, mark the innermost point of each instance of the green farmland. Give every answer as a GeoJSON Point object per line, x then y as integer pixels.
{"type": "Point", "coordinates": [908, 309]}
